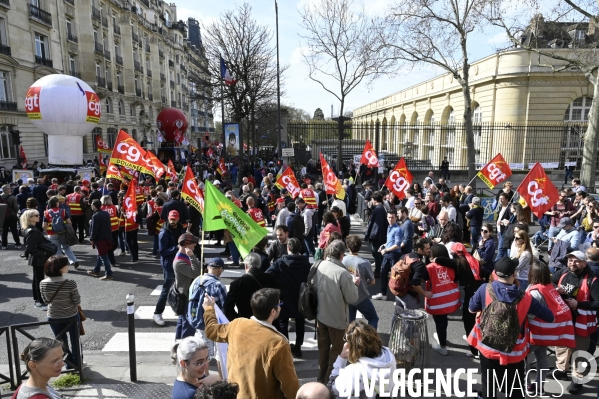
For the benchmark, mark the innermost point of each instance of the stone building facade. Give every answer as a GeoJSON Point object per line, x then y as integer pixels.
{"type": "Point", "coordinates": [135, 54]}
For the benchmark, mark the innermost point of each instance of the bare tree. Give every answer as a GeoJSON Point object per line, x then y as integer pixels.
{"type": "Point", "coordinates": [436, 33]}
{"type": "Point", "coordinates": [565, 40]}
{"type": "Point", "coordinates": [341, 50]}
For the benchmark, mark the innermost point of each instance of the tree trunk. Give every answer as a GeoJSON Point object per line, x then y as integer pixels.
{"type": "Point", "coordinates": [591, 140]}
{"type": "Point", "coordinates": [469, 134]}
{"type": "Point", "coordinates": [340, 141]}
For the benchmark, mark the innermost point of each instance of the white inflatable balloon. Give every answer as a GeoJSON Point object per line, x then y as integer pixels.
{"type": "Point", "coordinates": [66, 109]}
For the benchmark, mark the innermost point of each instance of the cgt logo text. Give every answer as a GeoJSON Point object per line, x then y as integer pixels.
{"type": "Point", "coordinates": [460, 383]}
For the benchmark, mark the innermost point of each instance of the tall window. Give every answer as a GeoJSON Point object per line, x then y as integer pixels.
{"type": "Point", "coordinates": [121, 107]}
{"type": "Point", "coordinates": [72, 65]}
{"type": "Point", "coordinates": [131, 110]}
{"type": "Point", "coordinates": [98, 70]}
{"type": "Point", "coordinates": [3, 35]}
{"type": "Point", "coordinates": [110, 136]}
{"type": "Point", "coordinates": [4, 86]}
{"type": "Point", "coordinates": [96, 36]}
{"type": "Point", "coordinates": [578, 110]}
{"type": "Point", "coordinates": [108, 107]}
{"type": "Point", "coordinates": [477, 115]}
{"type": "Point", "coordinates": [7, 143]}
{"type": "Point", "coordinates": [41, 46]}
{"type": "Point", "coordinates": [118, 79]}
{"type": "Point", "coordinates": [69, 27]}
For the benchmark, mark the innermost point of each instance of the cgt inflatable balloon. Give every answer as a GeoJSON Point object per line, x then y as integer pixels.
{"type": "Point", "coordinates": [66, 109]}
{"type": "Point", "coordinates": [172, 123]}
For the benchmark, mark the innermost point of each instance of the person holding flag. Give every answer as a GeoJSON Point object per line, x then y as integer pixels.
{"type": "Point", "coordinates": [129, 213]}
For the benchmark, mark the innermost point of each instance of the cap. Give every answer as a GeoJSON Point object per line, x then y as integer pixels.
{"type": "Point", "coordinates": [216, 262]}
{"type": "Point", "coordinates": [565, 221]}
{"type": "Point", "coordinates": [186, 238]}
{"type": "Point", "coordinates": [173, 214]}
{"type": "Point", "coordinates": [505, 266]}
{"type": "Point", "coordinates": [280, 200]}
{"type": "Point", "coordinates": [216, 182]}
{"type": "Point", "coordinates": [283, 191]}
{"type": "Point", "coordinates": [578, 254]}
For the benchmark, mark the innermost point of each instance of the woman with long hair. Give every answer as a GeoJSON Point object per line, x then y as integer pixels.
{"type": "Point", "coordinates": [486, 248]}
{"type": "Point", "coordinates": [330, 225]}
{"type": "Point", "coordinates": [363, 350]}
{"type": "Point", "coordinates": [517, 217]}
{"type": "Point", "coordinates": [343, 222]}
{"type": "Point", "coordinates": [522, 252]}
{"type": "Point", "coordinates": [36, 256]}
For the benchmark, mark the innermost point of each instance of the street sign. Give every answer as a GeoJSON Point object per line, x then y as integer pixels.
{"type": "Point", "coordinates": [288, 152]}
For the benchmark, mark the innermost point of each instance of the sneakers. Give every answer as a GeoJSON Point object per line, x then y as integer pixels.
{"type": "Point", "coordinates": [158, 319]}
{"type": "Point", "coordinates": [440, 350]}
{"type": "Point", "coordinates": [123, 253]}
{"type": "Point", "coordinates": [92, 273]}
{"type": "Point", "coordinates": [471, 355]}
{"type": "Point", "coordinates": [560, 375]}
{"type": "Point", "coordinates": [574, 388]}
{"type": "Point", "coordinates": [38, 305]}
{"type": "Point", "coordinates": [107, 277]}
{"type": "Point", "coordinates": [531, 390]}
{"type": "Point", "coordinates": [18, 246]}
{"type": "Point", "coordinates": [44, 307]}
{"type": "Point", "coordinates": [76, 265]}
{"type": "Point", "coordinates": [379, 297]}
{"type": "Point", "coordinates": [436, 337]}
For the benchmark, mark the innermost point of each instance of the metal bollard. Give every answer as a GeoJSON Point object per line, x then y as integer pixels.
{"type": "Point", "coordinates": [131, 323]}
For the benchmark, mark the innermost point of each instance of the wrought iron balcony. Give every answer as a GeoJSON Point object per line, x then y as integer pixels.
{"type": "Point", "coordinates": [162, 77]}
{"type": "Point", "coordinates": [138, 92]}
{"type": "Point", "coordinates": [119, 59]}
{"type": "Point", "coordinates": [105, 22]}
{"type": "Point", "coordinates": [75, 74]}
{"type": "Point", "coordinates": [109, 85]}
{"type": "Point", "coordinates": [101, 81]}
{"type": "Point", "coordinates": [99, 48]}
{"type": "Point", "coordinates": [121, 89]}
{"type": "Point", "coordinates": [43, 61]}
{"type": "Point", "coordinates": [39, 14]}
{"type": "Point", "coordinates": [171, 63]}
{"type": "Point", "coordinates": [173, 104]}
{"type": "Point", "coordinates": [72, 38]}
{"type": "Point", "coordinates": [161, 53]}
{"type": "Point", "coordinates": [136, 65]}
{"type": "Point", "coordinates": [96, 14]}
{"type": "Point", "coordinates": [8, 106]}
{"type": "Point", "coordinates": [150, 97]}
{"type": "Point", "coordinates": [117, 30]}
{"type": "Point", "coordinates": [183, 68]}
{"type": "Point", "coordinates": [149, 72]}
{"type": "Point", "coordinates": [4, 49]}
{"type": "Point", "coordinates": [134, 37]}
{"type": "Point", "coordinates": [107, 54]}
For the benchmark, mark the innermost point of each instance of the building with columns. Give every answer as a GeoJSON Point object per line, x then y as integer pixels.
{"type": "Point", "coordinates": [135, 54]}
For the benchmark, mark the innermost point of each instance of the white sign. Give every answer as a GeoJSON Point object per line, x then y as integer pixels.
{"type": "Point", "coordinates": [570, 164]}
{"type": "Point", "coordinates": [357, 159]}
{"type": "Point", "coordinates": [288, 152]}
{"type": "Point", "coordinates": [222, 347]}
{"type": "Point", "coordinates": [22, 174]}
{"type": "Point", "coordinates": [545, 165]}
{"type": "Point", "coordinates": [519, 166]}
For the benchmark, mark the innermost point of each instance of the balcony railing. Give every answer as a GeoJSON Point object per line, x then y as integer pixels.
{"type": "Point", "coordinates": [72, 38]}
{"type": "Point", "coordinates": [150, 97]}
{"type": "Point", "coordinates": [162, 77]}
{"type": "Point", "coordinates": [183, 68]}
{"type": "Point", "coordinates": [146, 2]}
{"type": "Point", "coordinates": [160, 53]}
{"type": "Point", "coordinates": [4, 49]}
{"type": "Point", "coordinates": [147, 48]}
{"type": "Point", "coordinates": [194, 129]}
{"type": "Point", "coordinates": [163, 99]}
{"type": "Point", "coordinates": [121, 89]}
{"type": "Point", "coordinates": [136, 65]}
{"type": "Point", "coordinates": [39, 14]}
{"type": "Point", "coordinates": [43, 61]}
{"type": "Point", "coordinates": [117, 30]}
{"type": "Point", "coordinates": [172, 84]}
{"type": "Point", "coordinates": [75, 74]}
{"type": "Point", "coordinates": [8, 106]}
{"type": "Point", "coordinates": [171, 63]}
{"type": "Point", "coordinates": [173, 104]}
{"type": "Point", "coordinates": [109, 85]}
{"type": "Point", "coordinates": [119, 59]}
{"type": "Point", "coordinates": [138, 92]}
{"type": "Point", "coordinates": [105, 22]}
{"type": "Point", "coordinates": [134, 37]}
{"type": "Point", "coordinates": [96, 14]}
{"type": "Point", "coordinates": [99, 48]}
{"type": "Point", "coordinates": [71, 2]}
{"type": "Point", "coordinates": [107, 54]}
{"type": "Point", "coordinates": [149, 72]}
{"type": "Point", "coordinates": [101, 82]}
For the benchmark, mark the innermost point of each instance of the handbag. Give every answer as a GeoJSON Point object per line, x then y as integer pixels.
{"type": "Point", "coordinates": [48, 247]}
{"type": "Point", "coordinates": [177, 301]}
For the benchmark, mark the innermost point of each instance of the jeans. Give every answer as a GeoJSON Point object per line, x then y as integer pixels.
{"type": "Point", "coordinates": [553, 232]}
{"type": "Point", "coordinates": [184, 329]}
{"type": "Point", "coordinates": [63, 249]}
{"type": "Point", "coordinates": [539, 237]}
{"type": "Point", "coordinates": [234, 252]}
{"type": "Point", "coordinates": [446, 174]}
{"type": "Point", "coordinates": [75, 351]}
{"type": "Point", "coordinates": [155, 245]}
{"type": "Point", "coordinates": [132, 243]}
{"type": "Point", "coordinates": [169, 279]}
{"type": "Point", "coordinates": [10, 223]}
{"type": "Point", "coordinates": [441, 322]}
{"type": "Point", "coordinates": [300, 329]}
{"type": "Point", "coordinates": [388, 261]}
{"type": "Point", "coordinates": [115, 245]}
{"type": "Point", "coordinates": [542, 365]}
{"type": "Point", "coordinates": [569, 174]}
{"type": "Point", "coordinates": [366, 307]}
{"type": "Point", "coordinates": [78, 221]}
{"type": "Point", "coordinates": [309, 242]}
{"type": "Point", "coordinates": [103, 259]}
{"type": "Point", "coordinates": [474, 237]}
{"type": "Point", "coordinates": [501, 252]}
{"type": "Point", "coordinates": [122, 241]}
{"type": "Point", "coordinates": [378, 257]}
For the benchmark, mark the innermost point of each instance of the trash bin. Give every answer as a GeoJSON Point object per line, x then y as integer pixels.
{"type": "Point", "coordinates": [409, 339]}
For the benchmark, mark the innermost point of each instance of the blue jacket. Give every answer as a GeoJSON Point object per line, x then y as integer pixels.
{"type": "Point", "coordinates": [99, 227]}
{"type": "Point", "coordinates": [168, 245]}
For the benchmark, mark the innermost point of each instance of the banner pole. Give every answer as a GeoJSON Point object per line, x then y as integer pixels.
{"type": "Point", "coordinates": [474, 178]}
{"type": "Point", "coordinates": [202, 254]}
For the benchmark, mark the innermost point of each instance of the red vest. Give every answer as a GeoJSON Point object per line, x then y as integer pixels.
{"type": "Point", "coordinates": [271, 203]}
{"type": "Point", "coordinates": [561, 331]}
{"type": "Point", "coordinates": [139, 195]}
{"type": "Point", "coordinates": [114, 219]}
{"type": "Point", "coordinates": [522, 347]}
{"type": "Point", "coordinates": [155, 208]}
{"type": "Point", "coordinates": [309, 197]}
{"type": "Point", "coordinates": [446, 293]}
{"type": "Point", "coordinates": [257, 215]}
{"type": "Point", "coordinates": [586, 321]}
{"type": "Point", "coordinates": [74, 202]}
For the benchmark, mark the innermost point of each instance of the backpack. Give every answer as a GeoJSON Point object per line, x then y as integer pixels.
{"type": "Point", "coordinates": [399, 278]}
{"type": "Point", "coordinates": [58, 226]}
{"type": "Point", "coordinates": [499, 324]}
{"type": "Point", "coordinates": [298, 227]}
{"type": "Point", "coordinates": [177, 301]}
{"type": "Point", "coordinates": [8, 208]}
{"type": "Point", "coordinates": [195, 310]}
{"type": "Point", "coordinates": [308, 298]}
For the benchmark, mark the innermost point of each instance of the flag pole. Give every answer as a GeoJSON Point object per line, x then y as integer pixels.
{"type": "Point", "coordinates": [202, 254]}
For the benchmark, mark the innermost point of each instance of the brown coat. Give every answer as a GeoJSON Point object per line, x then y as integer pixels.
{"type": "Point", "coordinates": [259, 358]}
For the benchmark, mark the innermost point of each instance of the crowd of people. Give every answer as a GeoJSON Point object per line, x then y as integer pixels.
{"type": "Point", "coordinates": [433, 241]}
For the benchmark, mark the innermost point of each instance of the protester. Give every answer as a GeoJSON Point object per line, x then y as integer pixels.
{"type": "Point", "coordinates": [390, 251]}
{"type": "Point", "coordinates": [342, 221]}
{"type": "Point", "coordinates": [10, 218]}
{"type": "Point", "coordinates": [475, 217]}
{"type": "Point", "coordinates": [100, 236]}
{"type": "Point", "coordinates": [330, 225]}
{"type": "Point", "coordinates": [376, 232]}
{"type": "Point", "coordinates": [191, 358]}
{"type": "Point", "coordinates": [362, 267]}
{"type": "Point", "coordinates": [561, 209]}
{"type": "Point", "coordinates": [218, 390]}
{"type": "Point", "coordinates": [36, 256]}
{"type": "Point", "coordinates": [186, 268]}
{"type": "Point", "coordinates": [522, 253]}
{"type": "Point", "coordinates": [313, 390]}
{"type": "Point", "coordinates": [260, 249]}
{"type": "Point", "coordinates": [278, 247]}
{"type": "Point", "coordinates": [485, 253]}
{"type": "Point", "coordinates": [56, 215]}
{"type": "Point", "coordinates": [114, 226]}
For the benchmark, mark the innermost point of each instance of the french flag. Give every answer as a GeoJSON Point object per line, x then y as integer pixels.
{"type": "Point", "coordinates": [224, 73]}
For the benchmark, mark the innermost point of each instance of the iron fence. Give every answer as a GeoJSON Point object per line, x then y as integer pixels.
{"type": "Point", "coordinates": [424, 145]}
{"type": "Point", "coordinates": [3, 378]}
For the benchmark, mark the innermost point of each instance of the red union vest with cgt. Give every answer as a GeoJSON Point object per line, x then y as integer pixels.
{"type": "Point", "coordinates": [114, 218]}
{"type": "Point", "coordinates": [446, 293]}
{"type": "Point", "coordinates": [257, 215]}
{"type": "Point", "coordinates": [74, 202]}
{"type": "Point", "coordinates": [561, 331]}
{"type": "Point", "coordinates": [586, 321]}
{"type": "Point", "coordinates": [309, 197]}
{"type": "Point", "coordinates": [522, 347]}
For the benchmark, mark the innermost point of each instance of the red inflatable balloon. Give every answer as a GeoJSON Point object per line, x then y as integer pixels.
{"type": "Point", "coordinates": [172, 123]}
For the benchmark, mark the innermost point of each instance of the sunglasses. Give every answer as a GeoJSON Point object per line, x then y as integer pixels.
{"type": "Point", "coordinates": [596, 227]}
{"type": "Point", "coordinates": [485, 231]}
{"type": "Point", "coordinates": [519, 238]}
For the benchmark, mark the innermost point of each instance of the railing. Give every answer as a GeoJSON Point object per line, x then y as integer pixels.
{"type": "Point", "coordinates": [8, 106]}
{"type": "Point", "coordinates": [138, 92]}
{"type": "Point", "coordinates": [72, 38]}
{"type": "Point", "coordinates": [163, 99]}
{"type": "Point", "coordinates": [105, 22]}
{"type": "Point", "coordinates": [96, 14]}
{"type": "Point", "coordinates": [121, 89]}
{"type": "Point", "coordinates": [107, 54]}
{"type": "Point", "coordinates": [75, 74]}
{"type": "Point", "coordinates": [4, 49]}
{"type": "Point", "coordinates": [109, 85]}
{"type": "Point", "coordinates": [160, 53]}
{"type": "Point", "coordinates": [136, 65]}
{"type": "Point", "coordinates": [3, 378]}
{"type": "Point", "coordinates": [39, 14]}
{"type": "Point", "coordinates": [43, 61]}
{"type": "Point", "coordinates": [99, 48]}
{"type": "Point", "coordinates": [150, 97]}
{"type": "Point", "coordinates": [117, 30]}
{"type": "Point", "coordinates": [101, 81]}
{"type": "Point", "coordinates": [119, 59]}
{"type": "Point", "coordinates": [149, 72]}
{"type": "Point", "coordinates": [173, 104]}
{"type": "Point", "coordinates": [134, 36]}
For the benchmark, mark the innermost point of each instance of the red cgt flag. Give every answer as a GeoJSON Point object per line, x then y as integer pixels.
{"type": "Point", "coordinates": [538, 191]}
{"type": "Point", "coordinates": [101, 145]}
{"type": "Point", "coordinates": [288, 181]}
{"type": "Point", "coordinates": [221, 168]}
{"type": "Point", "coordinates": [113, 172]}
{"type": "Point", "coordinates": [369, 157]}
{"type": "Point", "coordinates": [127, 152]}
{"type": "Point", "coordinates": [171, 171]}
{"type": "Point", "coordinates": [191, 192]}
{"type": "Point", "coordinates": [399, 179]}
{"type": "Point", "coordinates": [102, 164]}
{"type": "Point", "coordinates": [154, 163]}
{"type": "Point", "coordinates": [495, 172]}
{"type": "Point", "coordinates": [130, 204]}
{"type": "Point", "coordinates": [331, 183]}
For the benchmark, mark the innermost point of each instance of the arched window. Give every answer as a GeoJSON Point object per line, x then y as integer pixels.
{"type": "Point", "coordinates": [578, 110]}
{"type": "Point", "coordinates": [121, 107]}
{"type": "Point", "coordinates": [477, 115]}
{"type": "Point", "coordinates": [108, 108]}
{"type": "Point", "coordinates": [451, 117]}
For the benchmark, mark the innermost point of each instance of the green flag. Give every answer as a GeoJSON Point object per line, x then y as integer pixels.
{"type": "Point", "coordinates": [220, 213]}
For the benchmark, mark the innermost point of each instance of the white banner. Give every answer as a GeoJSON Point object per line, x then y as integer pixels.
{"type": "Point", "coordinates": [517, 166]}
{"type": "Point", "coordinates": [545, 165]}
{"type": "Point", "coordinates": [570, 164]}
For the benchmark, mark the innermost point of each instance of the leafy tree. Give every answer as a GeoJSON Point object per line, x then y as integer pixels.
{"type": "Point", "coordinates": [318, 115]}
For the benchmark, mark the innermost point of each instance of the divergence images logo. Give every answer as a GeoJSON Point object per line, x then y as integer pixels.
{"type": "Point", "coordinates": [32, 103]}
{"type": "Point", "coordinates": [535, 190]}
{"type": "Point", "coordinates": [589, 360]}
{"type": "Point", "coordinates": [94, 107]}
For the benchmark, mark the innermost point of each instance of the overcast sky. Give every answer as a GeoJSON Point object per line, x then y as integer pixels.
{"type": "Point", "coordinates": [303, 93]}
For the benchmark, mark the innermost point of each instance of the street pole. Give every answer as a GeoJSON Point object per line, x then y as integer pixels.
{"type": "Point", "coordinates": [131, 334]}
{"type": "Point", "coordinates": [222, 107]}
{"type": "Point", "coordinates": [278, 86]}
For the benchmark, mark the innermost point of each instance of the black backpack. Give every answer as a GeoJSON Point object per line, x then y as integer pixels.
{"type": "Point", "coordinates": [499, 324]}
{"type": "Point", "coordinates": [8, 208]}
{"type": "Point", "coordinates": [308, 298]}
{"type": "Point", "coordinates": [177, 301]}
{"type": "Point", "coordinates": [298, 227]}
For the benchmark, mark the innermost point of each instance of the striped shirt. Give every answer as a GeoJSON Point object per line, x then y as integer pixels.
{"type": "Point", "coordinates": [65, 302]}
